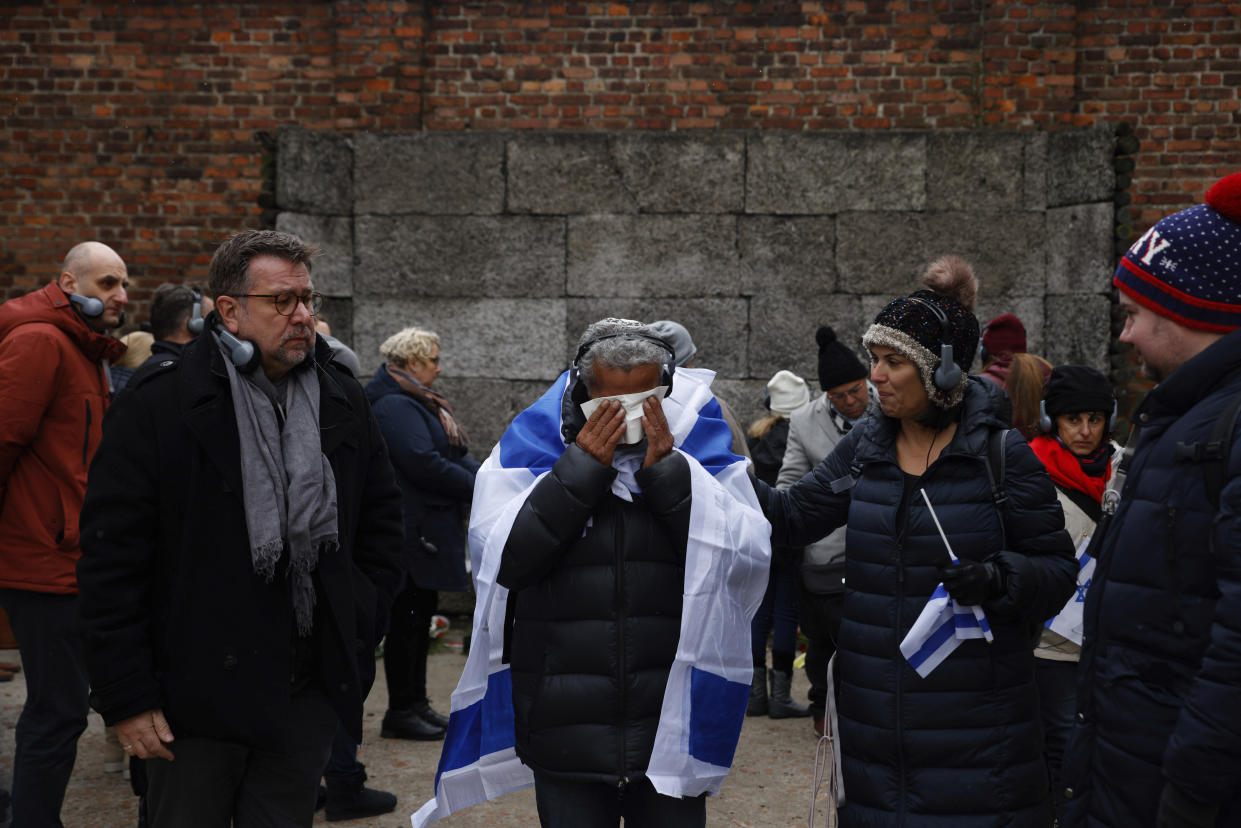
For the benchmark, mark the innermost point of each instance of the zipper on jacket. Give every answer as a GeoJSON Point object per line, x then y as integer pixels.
{"type": "Point", "coordinates": [86, 438]}
{"type": "Point", "coordinates": [618, 534]}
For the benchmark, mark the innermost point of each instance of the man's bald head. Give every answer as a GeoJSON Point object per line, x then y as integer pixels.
{"type": "Point", "coordinates": [92, 268]}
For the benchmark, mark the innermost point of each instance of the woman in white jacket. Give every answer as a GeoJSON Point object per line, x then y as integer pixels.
{"type": "Point", "coordinates": [1077, 414]}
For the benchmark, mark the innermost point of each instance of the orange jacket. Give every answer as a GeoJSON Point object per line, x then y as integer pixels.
{"type": "Point", "coordinates": [53, 393]}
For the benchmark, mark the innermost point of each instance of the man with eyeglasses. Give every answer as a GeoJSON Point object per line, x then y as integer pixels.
{"type": "Point", "coordinates": [242, 529]}
{"type": "Point", "coordinates": [814, 430]}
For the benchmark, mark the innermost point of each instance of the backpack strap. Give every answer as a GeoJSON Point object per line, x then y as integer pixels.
{"type": "Point", "coordinates": [995, 464]}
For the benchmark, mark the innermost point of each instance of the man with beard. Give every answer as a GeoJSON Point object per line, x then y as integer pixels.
{"type": "Point", "coordinates": [54, 354]}
{"type": "Point", "coordinates": [1157, 740]}
{"type": "Point", "coordinates": [242, 529]}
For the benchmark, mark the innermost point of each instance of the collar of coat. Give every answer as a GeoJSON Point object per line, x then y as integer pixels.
{"type": "Point", "coordinates": [51, 305]}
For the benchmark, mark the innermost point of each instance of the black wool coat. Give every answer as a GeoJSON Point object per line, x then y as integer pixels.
{"type": "Point", "coordinates": [963, 746]}
{"type": "Point", "coordinates": [1159, 684]}
{"type": "Point", "coordinates": [596, 584]}
{"type": "Point", "coordinates": [174, 616]}
{"type": "Point", "coordinates": [437, 484]}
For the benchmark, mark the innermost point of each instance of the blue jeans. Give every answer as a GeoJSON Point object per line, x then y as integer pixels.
{"type": "Point", "coordinates": [601, 805]}
{"type": "Point", "coordinates": [49, 635]}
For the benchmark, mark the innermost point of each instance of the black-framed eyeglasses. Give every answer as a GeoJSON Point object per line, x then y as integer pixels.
{"type": "Point", "coordinates": [856, 392]}
{"type": "Point", "coordinates": [286, 303]}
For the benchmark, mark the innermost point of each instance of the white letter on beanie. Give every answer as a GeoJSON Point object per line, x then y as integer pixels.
{"type": "Point", "coordinates": [1157, 244]}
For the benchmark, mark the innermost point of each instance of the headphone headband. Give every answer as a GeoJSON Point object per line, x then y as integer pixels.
{"type": "Point", "coordinates": [590, 343]}
{"type": "Point", "coordinates": [947, 373]}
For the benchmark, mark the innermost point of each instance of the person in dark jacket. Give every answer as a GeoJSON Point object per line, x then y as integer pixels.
{"type": "Point", "coordinates": [777, 615]}
{"type": "Point", "coordinates": [1157, 738]}
{"type": "Point", "coordinates": [430, 451]}
{"type": "Point", "coordinates": [1078, 412]}
{"type": "Point", "coordinates": [961, 746]}
{"type": "Point", "coordinates": [596, 590]}
{"type": "Point", "coordinates": [241, 533]}
{"type": "Point", "coordinates": [54, 389]}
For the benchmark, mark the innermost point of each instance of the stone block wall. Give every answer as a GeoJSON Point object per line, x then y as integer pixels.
{"type": "Point", "coordinates": [509, 243]}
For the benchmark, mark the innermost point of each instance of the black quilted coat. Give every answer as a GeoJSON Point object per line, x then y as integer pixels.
{"type": "Point", "coordinates": [961, 747]}
{"type": "Point", "coordinates": [596, 585]}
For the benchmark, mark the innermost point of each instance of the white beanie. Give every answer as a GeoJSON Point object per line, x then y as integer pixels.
{"type": "Point", "coordinates": [786, 392]}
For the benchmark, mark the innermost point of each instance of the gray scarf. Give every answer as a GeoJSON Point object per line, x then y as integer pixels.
{"type": "Point", "coordinates": [287, 484]}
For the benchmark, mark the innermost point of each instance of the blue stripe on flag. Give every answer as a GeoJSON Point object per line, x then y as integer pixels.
{"type": "Point", "coordinates": [710, 441]}
{"type": "Point", "coordinates": [936, 640]}
{"type": "Point", "coordinates": [484, 727]}
{"type": "Point", "coordinates": [533, 440]}
{"type": "Point", "coordinates": [716, 713]}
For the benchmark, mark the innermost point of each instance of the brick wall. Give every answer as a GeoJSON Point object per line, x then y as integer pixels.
{"type": "Point", "coordinates": [142, 124]}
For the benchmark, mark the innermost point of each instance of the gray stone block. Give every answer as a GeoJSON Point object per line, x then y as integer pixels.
{"type": "Point", "coordinates": [655, 255]}
{"type": "Point", "coordinates": [792, 254]}
{"type": "Point", "coordinates": [1034, 177]}
{"type": "Point", "coordinates": [566, 173]}
{"type": "Point", "coordinates": [884, 253]}
{"type": "Point", "coordinates": [975, 171]}
{"type": "Point", "coordinates": [1078, 330]}
{"type": "Point", "coordinates": [812, 173]}
{"type": "Point", "coordinates": [486, 407]}
{"type": "Point", "coordinates": [332, 270]}
{"type": "Point", "coordinates": [682, 173]}
{"type": "Point", "coordinates": [717, 326]}
{"type": "Point", "coordinates": [1080, 166]}
{"type": "Point", "coordinates": [460, 256]}
{"type": "Point", "coordinates": [339, 315]}
{"type": "Point", "coordinates": [744, 397]}
{"type": "Point", "coordinates": [782, 328]}
{"type": "Point", "coordinates": [314, 172]}
{"type": "Point", "coordinates": [1079, 249]}
{"type": "Point", "coordinates": [516, 339]}
{"type": "Point", "coordinates": [440, 173]}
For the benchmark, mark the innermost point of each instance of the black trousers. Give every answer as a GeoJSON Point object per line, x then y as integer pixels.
{"type": "Point", "coordinates": [820, 623]}
{"type": "Point", "coordinates": [49, 635]}
{"type": "Point", "coordinates": [601, 805]}
{"type": "Point", "coordinates": [405, 653]}
{"type": "Point", "coordinates": [215, 784]}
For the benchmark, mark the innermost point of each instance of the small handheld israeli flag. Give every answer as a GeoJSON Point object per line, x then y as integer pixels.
{"type": "Point", "coordinates": [727, 559]}
{"type": "Point", "coordinates": [1069, 622]}
{"type": "Point", "coordinates": [943, 623]}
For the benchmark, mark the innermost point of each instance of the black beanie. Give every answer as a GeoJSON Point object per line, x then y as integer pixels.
{"type": "Point", "coordinates": [837, 364]}
{"type": "Point", "coordinates": [1072, 389]}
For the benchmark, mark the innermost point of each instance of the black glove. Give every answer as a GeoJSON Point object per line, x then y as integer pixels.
{"type": "Point", "coordinates": [972, 582]}
{"type": "Point", "coordinates": [1178, 809]}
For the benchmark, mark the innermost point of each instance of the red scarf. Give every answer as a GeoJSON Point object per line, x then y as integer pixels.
{"type": "Point", "coordinates": [1065, 467]}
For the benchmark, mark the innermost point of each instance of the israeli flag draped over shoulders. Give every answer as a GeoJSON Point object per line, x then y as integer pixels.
{"type": "Point", "coordinates": [727, 560]}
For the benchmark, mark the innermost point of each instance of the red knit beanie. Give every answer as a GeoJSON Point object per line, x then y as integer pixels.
{"type": "Point", "coordinates": [1004, 334]}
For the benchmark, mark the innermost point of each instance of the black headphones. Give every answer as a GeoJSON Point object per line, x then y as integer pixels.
{"type": "Point", "coordinates": [1047, 426]}
{"type": "Point", "coordinates": [88, 306]}
{"type": "Point", "coordinates": [947, 373]}
{"type": "Point", "coordinates": [196, 322]}
{"type": "Point", "coordinates": [576, 393]}
{"type": "Point", "coordinates": [244, 356]}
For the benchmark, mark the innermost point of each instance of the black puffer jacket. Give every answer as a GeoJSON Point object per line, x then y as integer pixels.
{"type": "Point", "coordinates": [1159, 688]}
{"type": "Point", "coordinates": [597, 583]}
{"type": "Point", "coordinates": [962, 746]}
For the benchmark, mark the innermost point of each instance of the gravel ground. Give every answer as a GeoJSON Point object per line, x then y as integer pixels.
{"type": "Point", "coordinates": [770, 783]}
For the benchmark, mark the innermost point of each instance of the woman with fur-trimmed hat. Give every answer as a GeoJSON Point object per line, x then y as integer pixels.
{"type": "Point", "coordinates": [960, 746]}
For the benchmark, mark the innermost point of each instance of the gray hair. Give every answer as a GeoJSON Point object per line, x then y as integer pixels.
{"type": "Point", "coordinates": [623, 352]}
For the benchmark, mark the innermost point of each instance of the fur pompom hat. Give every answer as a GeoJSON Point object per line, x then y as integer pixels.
{"type": "Point", "coordinates": [908, 326]}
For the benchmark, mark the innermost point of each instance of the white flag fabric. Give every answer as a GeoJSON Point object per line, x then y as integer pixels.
{"type": "Point", "coordinates": [728, 556]}
{"type": "Point", "coordinates": [1069, 622]}
{"type": "Point", "coordinates": [941, 627]}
